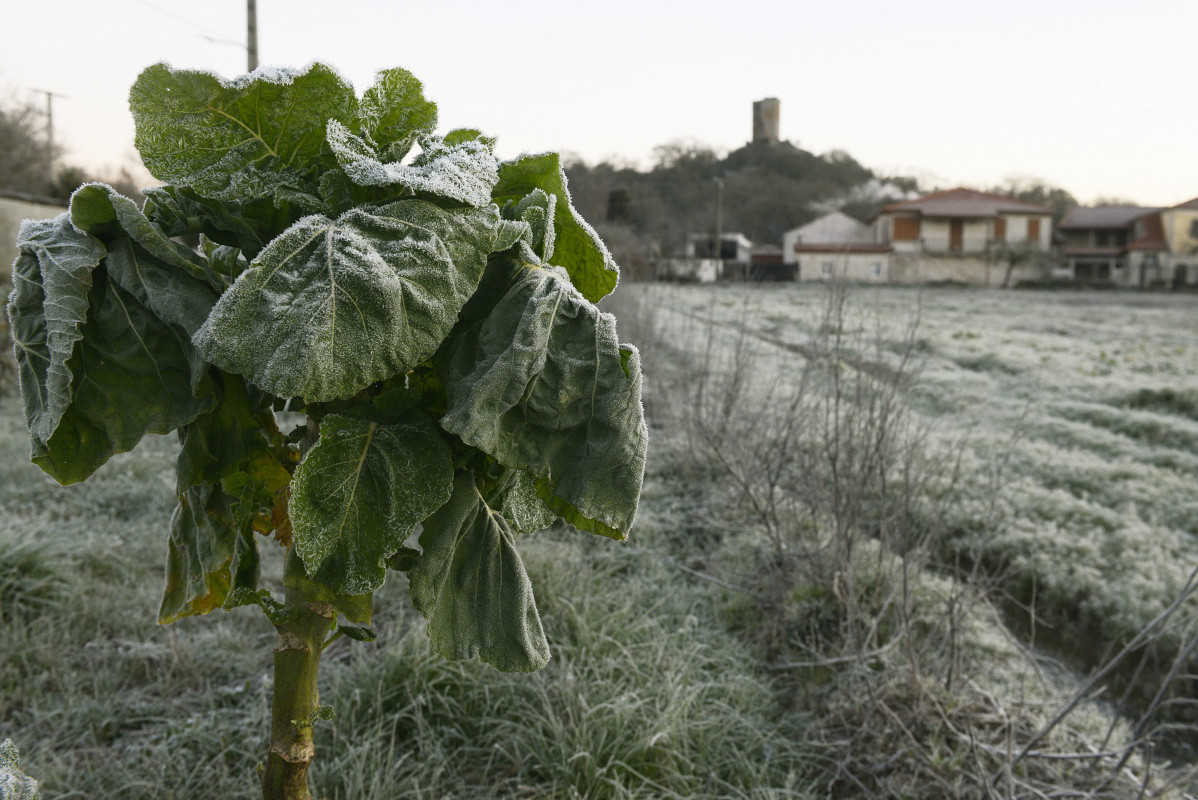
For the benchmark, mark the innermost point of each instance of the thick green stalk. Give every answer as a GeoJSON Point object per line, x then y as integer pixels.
{"type": "Point", "coordinates": [296, 699]}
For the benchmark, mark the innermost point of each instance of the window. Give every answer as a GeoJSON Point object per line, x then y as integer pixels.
{"type": "Point", "coordinates": [906, 229]}
{"type": "Point", "coordinates": [876, 270]}
{"type": "Point", "coordinates": [828, 267]}
{"type": "Point", "coordinates": [956, 235]}
{"type": "Point", "coordinates": [1000, 229]}
{"type": "Point", "coordinates": [1033, 230]}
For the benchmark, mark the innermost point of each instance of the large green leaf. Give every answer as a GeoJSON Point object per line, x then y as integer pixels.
{"type": "Point", "coordinates": [393, 113]}
{"type": "Point", "coordinates": [47, 310]}
{"type": "Point", "coordinates": [360, 492]}
{"type": "Point", "coordinates": [465, 171]}
{"type": "Point", "coordinates": [166, 276]}
{"type": "Point", "coordinates": [576, 245]}
{"type": "Point", "coordinates": [472, 586]}
{"type": "Point", "coordinates": [513, 494]}
{"type": "Point", "coordinates": [169, 279]}
{"type": "Point", "coordinates": [98, 368]}
{"type": "Point", "coordinates": [208, 556]}
{"type": "Point", "coordinates": [543, 385]}
{"type": "Point", "coordinates": [253, 137]}
{"type": "Point", "coordinates": [332, 306]}
{"type": "Point", "coordinates": [249, 226]}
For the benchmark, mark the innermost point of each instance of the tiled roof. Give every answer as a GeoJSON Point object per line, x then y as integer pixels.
{"type": "Point", "coordinates": [965, 203]}
{"type": "Point", "coordinates": [1191, 204]}
{"type": "Point", "coordinates": [1087, 218]}
{"type": "Point", "coordinates": [1154, 235]}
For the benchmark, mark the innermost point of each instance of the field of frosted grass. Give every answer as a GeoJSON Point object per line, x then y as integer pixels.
{"type": "Point", "coordinates": [648, 695]}
{"type": "Point", "coordinates": [1078, 413]}
{"type": "Point", "coordinates": [1079, 417]}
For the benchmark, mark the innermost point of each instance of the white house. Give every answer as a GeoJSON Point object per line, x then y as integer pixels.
{"type": "Point", "coordinates": [836, 246]}
{"type": "Point", "coordinates": [834, 228]}
{"type": "Point", "coordinates": [965, 236]}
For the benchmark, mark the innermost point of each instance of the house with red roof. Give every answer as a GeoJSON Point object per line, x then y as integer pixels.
{"type": "Point", "coordinates": [1179, 226]}
{"type": "Point", "coordinates": [1112, 244]}
{"type": "Point", "coordinates": [965, 236]}
{"type": "Point", "coordinates": [1131, 246]}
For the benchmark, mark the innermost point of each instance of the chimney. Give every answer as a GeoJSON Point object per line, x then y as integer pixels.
{"type": "Point", "coordinates": [765, 120]}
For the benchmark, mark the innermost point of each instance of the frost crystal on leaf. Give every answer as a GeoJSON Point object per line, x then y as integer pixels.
{"type": "Point", "coordinates": [472, 586]}
{"type": "Point", "coordinates": [14, 784]}
{"type": "Point", "coordinates": [543, 385]}
{"type": "Point", "coordinates": [248, 138]}
{"type": "Point", "coordinates": [361, 491]}
{"type": "Point", "coordinates": [331, 306]}
{"type": "Point", "coordinates": [576, 245]}
{"type": "Point", "coordinates": [465, 171]}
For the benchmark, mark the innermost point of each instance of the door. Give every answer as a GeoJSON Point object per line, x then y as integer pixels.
{"type": "Point", "coordinates": [956, 229]}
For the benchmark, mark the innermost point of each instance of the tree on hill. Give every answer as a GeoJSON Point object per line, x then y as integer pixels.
{"type": "Point", "coordinates": [768, 189]}
{"type": "Point", "coordinates": [1038, 191]}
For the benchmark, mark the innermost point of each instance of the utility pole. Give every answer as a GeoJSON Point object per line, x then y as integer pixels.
{"type": "Point", "coordinates": [251, 34]}
{"type": "Point", "coordinates": [49, 134]}
{"type": "Point", "coordinates": [718, 248]}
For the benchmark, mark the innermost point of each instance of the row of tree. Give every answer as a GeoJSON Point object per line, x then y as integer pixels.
{"type": "Point", "coordinates": [30, 165]}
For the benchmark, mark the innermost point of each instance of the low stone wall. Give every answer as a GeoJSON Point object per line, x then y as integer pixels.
{"type": "Point", "coordinates": [13, 209]}
{"type": "Point", "coordinates": [970, 270]}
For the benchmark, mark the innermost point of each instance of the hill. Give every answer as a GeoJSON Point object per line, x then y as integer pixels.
{"type": "Point", "coordinates": [769, 188]}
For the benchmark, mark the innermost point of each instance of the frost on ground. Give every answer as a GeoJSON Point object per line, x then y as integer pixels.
{"type": "Point", "coordinates": [1079, 414]}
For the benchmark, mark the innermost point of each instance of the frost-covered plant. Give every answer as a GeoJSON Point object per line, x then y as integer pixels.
{"type": "Point", "coordinates": [432, 317]}
{"type": "Point", "coordinates": [14, 784]}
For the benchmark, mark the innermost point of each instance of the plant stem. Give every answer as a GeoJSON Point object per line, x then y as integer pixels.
{"type": "Point", "coordinates": [296, 699]}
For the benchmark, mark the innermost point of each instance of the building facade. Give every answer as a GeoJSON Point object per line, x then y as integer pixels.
{"type": "Point", "coordinates": [965, 236]}
{"type": "Point", "coordinates": [1130, 246]}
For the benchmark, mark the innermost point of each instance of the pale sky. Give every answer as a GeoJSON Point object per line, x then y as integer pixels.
{"type": "Point", "coordinates": [1098, 97]}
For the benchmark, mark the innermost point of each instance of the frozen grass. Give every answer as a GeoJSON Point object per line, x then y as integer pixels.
{"type": "Point", "coordinates": [647, 694]}
{"type": "Point", "coordinates": [1088, 402]}
{"type": "Point", "coordinates": [844, 522]}
{"type": "Point", "coordinates": [664, 682]}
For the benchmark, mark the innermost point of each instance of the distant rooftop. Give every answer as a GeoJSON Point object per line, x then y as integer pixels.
{"type": "Point", "coordinates": [1154, 234]}
{"type": "Point", "coordinates": [1087, 218]}
{"type": "Point", "coordinates": [966, 203]}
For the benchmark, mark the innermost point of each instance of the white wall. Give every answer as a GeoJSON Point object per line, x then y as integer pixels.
{"type": "Point", "coordinates": [974, 234]}
{"type": "Point", "coordinates": [688, 270]}
{"type": "Point", "coordinates": [856, 267]}
{"type": "Point", "coordinates": [1017, 229]}
{"type": "Point", "coordinates": [834, 228]}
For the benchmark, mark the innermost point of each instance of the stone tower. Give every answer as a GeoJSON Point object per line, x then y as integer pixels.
{"type": "Point", "coordinates": [765, 120]}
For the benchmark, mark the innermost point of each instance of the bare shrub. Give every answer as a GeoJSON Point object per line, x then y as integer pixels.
{"type": "Point", "coordinates": [902, 659]}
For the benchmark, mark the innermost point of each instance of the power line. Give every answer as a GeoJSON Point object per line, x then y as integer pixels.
{"type": "Point", "coordinates": [207, 33]}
